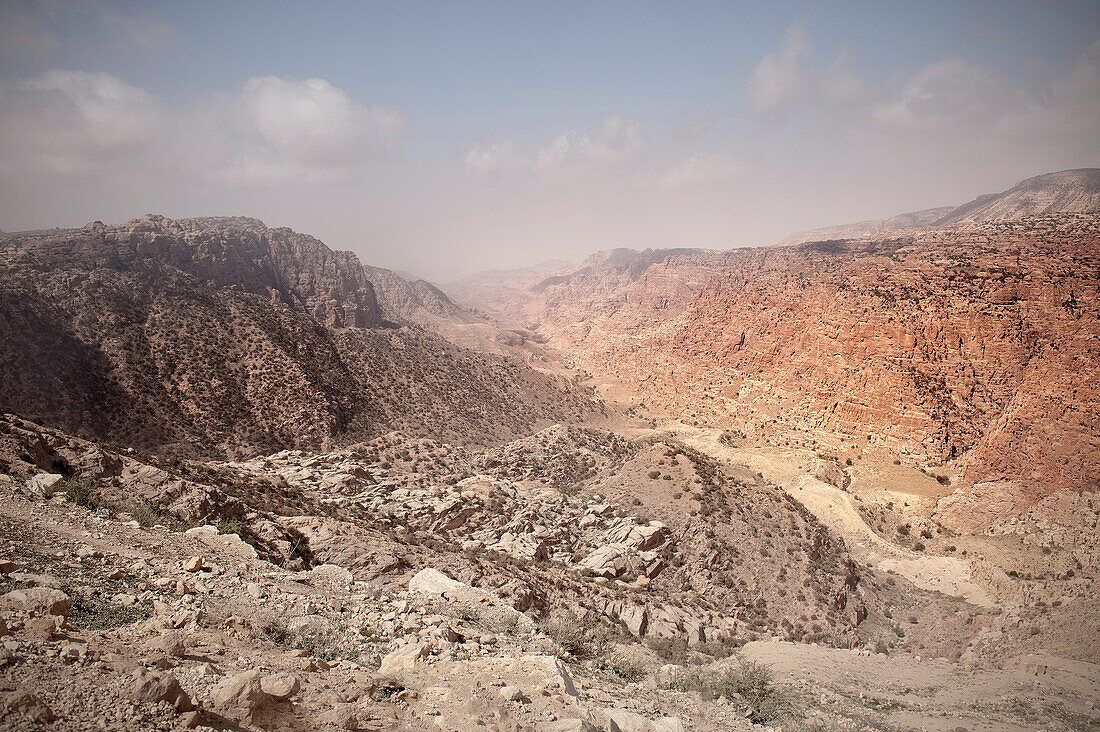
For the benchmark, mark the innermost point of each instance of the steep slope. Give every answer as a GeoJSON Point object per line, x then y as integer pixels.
{"type": "Point", "coordinates": [225, 336]}
{"type": "Point", "coordinates": [976, 344]}
{"type": "Point", "coordinates": [416, 301]}
{"type": "Point", "coordinates": [926, 217]}
{"type": "Point", "coordinates": [1067, 191]}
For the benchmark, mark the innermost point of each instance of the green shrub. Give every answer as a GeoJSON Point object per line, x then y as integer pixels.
{"type": "Point", "coordinates": [749, 683]}
{"type": "Point", "coordinates": [144, 514]}
{"type": "Point", "coordinates": [578, 637]}
{"type": "Point", "coordinates": [82, 492]}
{"type": "Point", "coordinates": [628, 669]}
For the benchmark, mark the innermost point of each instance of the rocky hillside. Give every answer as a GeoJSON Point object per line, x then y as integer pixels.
{"type": "Point", "coordinates": [422, 304]}
{"type": "Point", "coordinates": [415, 301]}
{"type": "Point", "coordinates": [404, 583]}
{"type": "Point", "coordinates": [1067, 191]}
{"type": "Point", "coordinates": [973, 344]}
{"type": "Point", "coordinates": [222, 336]}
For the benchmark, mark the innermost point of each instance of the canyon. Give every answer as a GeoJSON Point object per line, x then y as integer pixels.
{"type": "Point", "coordinates": [847, 481]}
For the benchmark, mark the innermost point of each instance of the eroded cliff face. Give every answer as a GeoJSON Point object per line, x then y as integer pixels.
{"type": "Point", "coordinates": [975, 344]}
{"type": "Point", "coordinates": [225, 337]}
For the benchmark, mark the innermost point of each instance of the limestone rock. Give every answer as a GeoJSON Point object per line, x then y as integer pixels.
{"type": "Point", "coordinates": [154, 686]}
{"type": "Point", "coordinates": [241, 696]}
{"type": "Point", "coordinates": [37, 600]}
{"type": "Point", "coordinates": [403, 659]}
{"type": "Point", "coordinates": [280, 686]}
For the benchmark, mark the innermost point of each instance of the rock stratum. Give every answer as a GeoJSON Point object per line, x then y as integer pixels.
{"type": "Point", "coordinates": [973, 345]}
{"type": "Point", "coordinates": [226, 337]}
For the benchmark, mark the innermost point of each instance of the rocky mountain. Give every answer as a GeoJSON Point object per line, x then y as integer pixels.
{"type": "Point", "coordinates": [415, 301]}
{"type": "Point", "coordinates": [1067, 191]}
{"type": "Point", "coordinates": [223, 336]}
{"type": "Point", "coordinates": [420, 303]}
{"type": "Point", "coordinates": [926, 217]}
{"type": "Point", "coordinates": [972, 344]}
{"type": "Point", "coordinates": [853, 486]}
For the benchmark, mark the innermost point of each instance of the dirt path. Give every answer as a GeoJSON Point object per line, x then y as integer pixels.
{"type": "Point", "coordinates": [935, 695]}
{"type": "Point", "coordinates": [793, 470]}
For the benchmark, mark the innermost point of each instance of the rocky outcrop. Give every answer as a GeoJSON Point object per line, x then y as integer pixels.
{"type": "Point", "coordinates": [223, 337]}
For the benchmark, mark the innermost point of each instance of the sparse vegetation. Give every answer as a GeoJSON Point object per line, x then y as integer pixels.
{"type": "Point", "coordinates": [747, 683]}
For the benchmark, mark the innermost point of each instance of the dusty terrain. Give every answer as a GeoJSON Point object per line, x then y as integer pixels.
{"type": "Point", "coordinates": [342, 615]}
{"type": "Point", "coordinates": [247, 483]}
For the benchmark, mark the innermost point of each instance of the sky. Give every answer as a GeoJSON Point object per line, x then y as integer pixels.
{"type": "Point", "coordinates": [442, 138]}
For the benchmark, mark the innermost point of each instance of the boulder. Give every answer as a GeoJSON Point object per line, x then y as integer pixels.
{"type": "Point", "coordinates": [341, 716]}
{"type": "Point", "coordinates": [607, 561]}
{"type": "Point", "coordinates": [43, 484]}
{"type": "Point", "coordinates": [280, 686]}
{"type": "Point", "coordinates": [154, 686]}
{"type": "Point", "coordinates": [511, 693]}
{"type": "Point", "coordinates": [37, 601]}
{"type": "Point", "coordinates": [171, 643]}
{"type": "Point", "coordinates": [430, 582]}
{"type": "Point", "coordinates": [241, 697]}
{"type": "Point", "coordinates": [29, 706]}
{"type": "Point", "coordinates": [636, 619]}
{"type": "Point", "coordinates": [403, 659]}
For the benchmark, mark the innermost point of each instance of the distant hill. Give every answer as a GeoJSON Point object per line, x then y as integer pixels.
{"type": "Point", "coordinates": [927, 217]}
{"type": "Point", "coordinates": [413, 300]}
{"type": "Point", "coordinates": [1067, 191]}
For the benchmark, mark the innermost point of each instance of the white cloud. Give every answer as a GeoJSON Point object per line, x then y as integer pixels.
{"type": "Point", "coordinates": [839, 82]}
{"type": "Point", "coordinates": [612, 141]}
{"type": "Point", "coordinates": [69, 122]}
{"type": "Point", "coordinates": [945, 95]}
{"type": "Point", "coordinates": [787, 76]}
{"type": "Point", "coordinates": [606, 145]}
{"type": "Point", "coordinates": [701, 170]}
{"type": "Point", "coordinates": [304, 129]}
{"type": "Point", "coordinates": [496, 157]}
{"type": "Point", "coordinates": [270, 131]}
{"type": "Point", "coordinates": [781, 75]}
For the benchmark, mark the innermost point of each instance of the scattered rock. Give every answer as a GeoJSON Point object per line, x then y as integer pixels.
{"type": "Point", "coordinates": [511, 693]}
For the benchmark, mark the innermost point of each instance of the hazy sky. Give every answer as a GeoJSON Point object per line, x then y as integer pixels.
{"type": "Point", "coordinates": [451, 136]}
